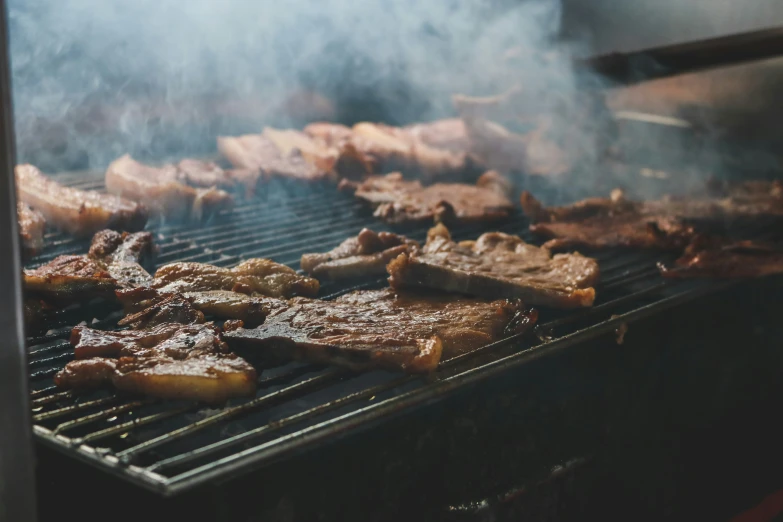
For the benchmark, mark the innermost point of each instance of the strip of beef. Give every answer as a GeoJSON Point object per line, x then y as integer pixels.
{"type": "Point", "coordinates": [169, 360]}
{"type": "Point", "coordinates": [379, 329]}
{"type": "Point", "coordinates": [497, 265]}
{"type": "Point", "coordinates": [292, 143]}
{"type": "Point", "coordinates": [608, 222]}
{"type": "Point", "coordinates": [161, 190]}
{"type": "Point", "coordinates": [722, 259]}
{"type": "Point", "coordinates": [364, 255]}
{"type": "Point", "coordinates": [260, 154]}
{"type": "Point", "coordinates": [79, 212]}
{"type": "Point", "coordinates": [113, 262]}
{"type": "Point", "coordinates": [252, 277]}
{"type": "Point", "coordinates": [397, 201]}
{"type": "Point", "coordinates": [31, 228]}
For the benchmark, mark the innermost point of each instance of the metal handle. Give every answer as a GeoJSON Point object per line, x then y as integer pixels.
{"type": "Point", "coordinates": [671, 60]}
{"type": "Point", "coordinates": [17, 484]}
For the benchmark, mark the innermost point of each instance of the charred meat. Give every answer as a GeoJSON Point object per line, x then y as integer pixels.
{"type": "Point", "coordinates": [397, 201]}
{"type": "Point", "coordinates": [722, 259]}
{"type": "Point", "coordinates": [364, 255]}
{"type": "Point", "coordinates": [497, 265]}
{"type": "Point", "coordinates": [31, 228]}
{"type": "Point", "coordinates": [669, 223]}
{"type": "Point", "coordinates": [363, 330]}
{"type": "Point", "coordinates": [608, 222]}
{"type": "Point", "coordinates": [161, 309]}
{"type": "Point", "coordinates": [172, 361]}
{"type": "Point", "coordinates": [79, 212]}
{"type": "Point", "coordinates": [112, 263]}
{"type": "Point", "coordinates": [161, 190]}
{"type": "Point", "coordinates": [252, 277]}
{"type": "Point", "coordinates": [70, 279]}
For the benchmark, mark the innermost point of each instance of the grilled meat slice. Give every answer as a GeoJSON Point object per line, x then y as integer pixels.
{"type": "Point", "coordinates": [166, 308]}
{"type": "Point", "coordinates": [212, 378]}
{"type": "Point", "coordinates": [292, 143]}
{"type": "Point", "coordinates": [252, 276]}
{"type": "Point", "coordinates": [161, 190]}
{"type": "Point", "coordinates": [123, 255]}
{"type": "Point", "coordinates": [70, 279]}
{"type": "Point", "coordinates": [171, 339]}
{"type": "Point", "coordinates": [204, 174]}
{"type": "Point", "coordinates": [723, 259]}
{"type": "Point", "coordinates": [86, 374]}
{"type": "Point", "coordinates": [430, 150]}
{"type": "Point", "coordinates": [497, 265]}
{"type": "Point", "coordinates": [398, 201]}
{"type": "Point", "coordinates": [330, 134]}
{"type": "Point", "coordinates": [668, 223]}
{"type": "Point", "coordinates": [78, 212]}
{"type": "Point", "coordinates": [612, 222]}
{"type": "Point", "coordinates": [170, 360]}
{"type": "Point", "coordinates": [113, 262]}
{"type": "Point", "coordinates": [364, 255]}
{"type": "Point", "coordinates": [448, 134]}
{"type": "Point", "coordinates": [251, 310]}
{"type": "Point", "coordinates": [146, 306]}
{"type": "Point", "coordinates": [258, 153]}
{"type": "Point", "coordinates": [31, 228]}
{"type": "Point", "coordinates": [392, 148]}
{"type": "Point", "coordinates": [363, 330]}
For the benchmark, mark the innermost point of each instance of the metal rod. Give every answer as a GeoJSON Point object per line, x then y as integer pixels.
{"type": "Point", "coordinates": [671, 60]}
{"type": "Point", "coordinates": [17, 466]}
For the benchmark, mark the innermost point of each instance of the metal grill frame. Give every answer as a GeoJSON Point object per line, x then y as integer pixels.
{"type": "Point", "coordinates": [456, 374]}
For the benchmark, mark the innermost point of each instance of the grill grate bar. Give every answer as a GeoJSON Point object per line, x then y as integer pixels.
{"type": "Point", "coordinates": [279, 424]}
{"type": "Point", "coordinates": [55, 397]}
{"type": "Point", "coordinates": [135, 423]}
{"type": "Point", "coordinates": [229, 413]}
{"type": "Point", "coordinates": [87, 419]}
{"type": "Point", "coordinates": [74, 408]}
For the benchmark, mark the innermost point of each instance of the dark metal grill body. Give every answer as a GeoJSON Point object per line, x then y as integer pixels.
{"type": "Point", "coordinates": [171, 447]}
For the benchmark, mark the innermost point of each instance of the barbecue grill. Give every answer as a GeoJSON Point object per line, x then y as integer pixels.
{"type": "Point", "coordinates": [517, 422]}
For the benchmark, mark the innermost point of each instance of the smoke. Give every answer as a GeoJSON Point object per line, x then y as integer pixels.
{"type": "Point", "coordinates": [94, 79]}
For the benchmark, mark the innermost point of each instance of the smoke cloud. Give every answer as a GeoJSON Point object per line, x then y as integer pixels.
{"type": "Point", "coordinates": [94, 79]}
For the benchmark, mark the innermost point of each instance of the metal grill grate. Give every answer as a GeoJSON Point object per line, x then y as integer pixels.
{"type": "Point", "coordinates": [172, 446]}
